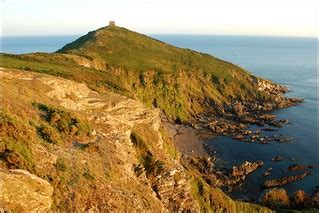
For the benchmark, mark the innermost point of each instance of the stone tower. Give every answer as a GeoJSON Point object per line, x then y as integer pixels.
{"type": "Point", "coordinates": [111, 23]}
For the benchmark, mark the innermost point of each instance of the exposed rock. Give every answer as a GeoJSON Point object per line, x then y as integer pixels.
{"type": "Point", "coordinates": [23, 191]}
{"type": "Point", "coordinates": [238, 174]}
{"type": "Point", "coordinates": [277, 158]}
{"type": "Point", "coordinates": [298, 167]}
{"type": "Point", "coordinates": [284, 180]}
{"type": "Point", "coordinates": [245, 168]}
{"type": "Point", "coordinates": [177, 181]}
{"type": "Point", "coordinates": [269, 129]}
{"type": "Point", "coordinates": [111, 153]}
{"type": "Point", "coordinates": [267, 117]}
{"type": "Point", "coordinates": [267, 172]}
{"type": "Point", "coordinates": [205, 165]}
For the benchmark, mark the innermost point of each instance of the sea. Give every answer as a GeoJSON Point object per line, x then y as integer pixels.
{"type": "Point", "coordinates": [285, 60]}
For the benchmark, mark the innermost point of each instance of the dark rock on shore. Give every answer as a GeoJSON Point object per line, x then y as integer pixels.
{"type": "Point", "coordinates": [204, 165]}
{"type": "Point", "coordinates": [245, 168]}
{"type": "Point", "coordinates": [233, 118]}
{"type": "Point", "coordinates": [269, 129]}
{"type": "Point", "coordinates": [238, 174]}
{"type": "Point", "coordinates": [267, 172]}
{"type": "Point", "coordinates": [221, 177]}
{"type": "Point", "coordinates": [284, 180]}
{"type": "Point", "coordinates": [298, 167]}
{"type": "Point", "coordinates": [277, 158]}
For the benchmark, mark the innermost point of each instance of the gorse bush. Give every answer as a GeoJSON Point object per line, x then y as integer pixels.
{"type": "Point", "coordinates": [15, 140]}
{"type": "Point", "coordinates": [65, 122]}
{"type": "Point", "coordinates": [50, 134]}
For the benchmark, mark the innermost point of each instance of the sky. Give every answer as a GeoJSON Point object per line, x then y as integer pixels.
{"type": "Point", "coordinates": [298, 18]}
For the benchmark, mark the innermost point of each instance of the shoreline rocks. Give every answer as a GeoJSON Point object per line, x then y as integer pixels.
{"type": "Point", "coordinates": [238, 174]}
{"type": "Point", "coordinates": [277, 158]}
{"type": "Point", "coordinates": [246, 168]}
{"type": "Point", "coordinates": [267, 172]}
{"type": "Point", "coordinates": [284, 180]}
{"type": "Point", "coordinates": [298, 167]}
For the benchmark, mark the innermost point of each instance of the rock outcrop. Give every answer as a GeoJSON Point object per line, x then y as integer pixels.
{"type": "Point", "coordinates": [125, 157]}
{"type": "Point", "coordinates": [22, 191]}
{"type": "Point", "coordinates": [298, 167]}
{"type": "Point", "coordinates": [245, 168]}
{"type": "Point", "coordinates": [284, 180]}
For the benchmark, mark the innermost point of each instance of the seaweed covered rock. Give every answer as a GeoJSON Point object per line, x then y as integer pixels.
{"type": "Point", "coordinates": [276, 198]}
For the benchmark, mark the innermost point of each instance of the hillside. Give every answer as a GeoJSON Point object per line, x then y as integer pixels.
{"type": "Point", "coordinates": [65, 147]}
{"type": "Point", "coordinates": [181, 82]}
{"type": "Point", "coordinates": [81, 129]}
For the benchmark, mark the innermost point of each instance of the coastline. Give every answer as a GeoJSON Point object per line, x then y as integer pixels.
{"type": "Point", "coordinates": [199, 155]}
{"type": "Point", "coordinates": [187, 140]}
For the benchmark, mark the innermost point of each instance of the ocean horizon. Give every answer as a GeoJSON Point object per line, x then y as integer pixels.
{"type": "Point", "coordinates": [51, 43]}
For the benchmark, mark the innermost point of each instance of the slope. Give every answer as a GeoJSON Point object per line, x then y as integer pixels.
{"type": "Point", "coordinates": [99, 152]}
{"type": "Point", "coordinates": [183, 83]}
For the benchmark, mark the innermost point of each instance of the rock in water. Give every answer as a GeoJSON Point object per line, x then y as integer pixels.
{"type": "Point", "coordinates": [246, 168]}
{"type": "Point", "coordinates": [22, 191]}
{"type": "Point", "coordinates": [284, 180]}
{"type": "Point", "coordinates": [298, 167]}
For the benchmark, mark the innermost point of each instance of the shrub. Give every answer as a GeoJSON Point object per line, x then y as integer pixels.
{"type": "Point", "coordinates": [50, 135]}
{"type": "Point", "coordinates": [276, 198]}
{"type": "Point", "coordinates": [16, 153]}
{"type": "Point", "coordinates": [60, 165]}
{"type": "Point", "coordinates": [87, 174]}
{"type": "Point", "coordinates": [65, 122]}
{"type": "Point", "coordinates": [152, 167]}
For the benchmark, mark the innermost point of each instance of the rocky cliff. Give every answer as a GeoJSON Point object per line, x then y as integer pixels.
{"type": "Point", "coordinates": [66, 147]}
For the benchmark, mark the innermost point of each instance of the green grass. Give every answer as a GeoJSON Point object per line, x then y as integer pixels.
{"type": "Point", "coordinates": [182, 82]}
{"type": "Point", "coordinates": [168, 144]}
{"type": "Point", "coordinates": [151, 165]}
{"type": "Point", "coordinates": [200, 194]}
{"type": "Point", "coordinates": [15, 140]}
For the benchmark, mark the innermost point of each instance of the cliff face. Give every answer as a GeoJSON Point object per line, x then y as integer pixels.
{"type": "Point", "coordinates": [94, 151]}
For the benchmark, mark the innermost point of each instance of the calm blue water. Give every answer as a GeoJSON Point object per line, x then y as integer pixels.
{"type": "Point", "coordinates": [29, 44]}
{"type": "Point", "coordinates": [289, 61]}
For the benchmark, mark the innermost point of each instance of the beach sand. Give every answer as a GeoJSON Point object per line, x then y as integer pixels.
{"type": "Point", "coordinates": [186, 139]}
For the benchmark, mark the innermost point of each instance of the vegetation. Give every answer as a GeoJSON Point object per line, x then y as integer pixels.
{"type": "Point", "coordinates": [15, 142]}
{"type": "Point", "coordinates": [60, 125]}
{"type": "Point", "coordinates": [152, 166]}
{"type": "Point", "coordinates": [55, 144]}
{"type": "Point", "coordinates": [168, 144]}
{"type": "Point", "coordinates": [276, 199]}
{"type": "Point", "coordinates": [182, 82]}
